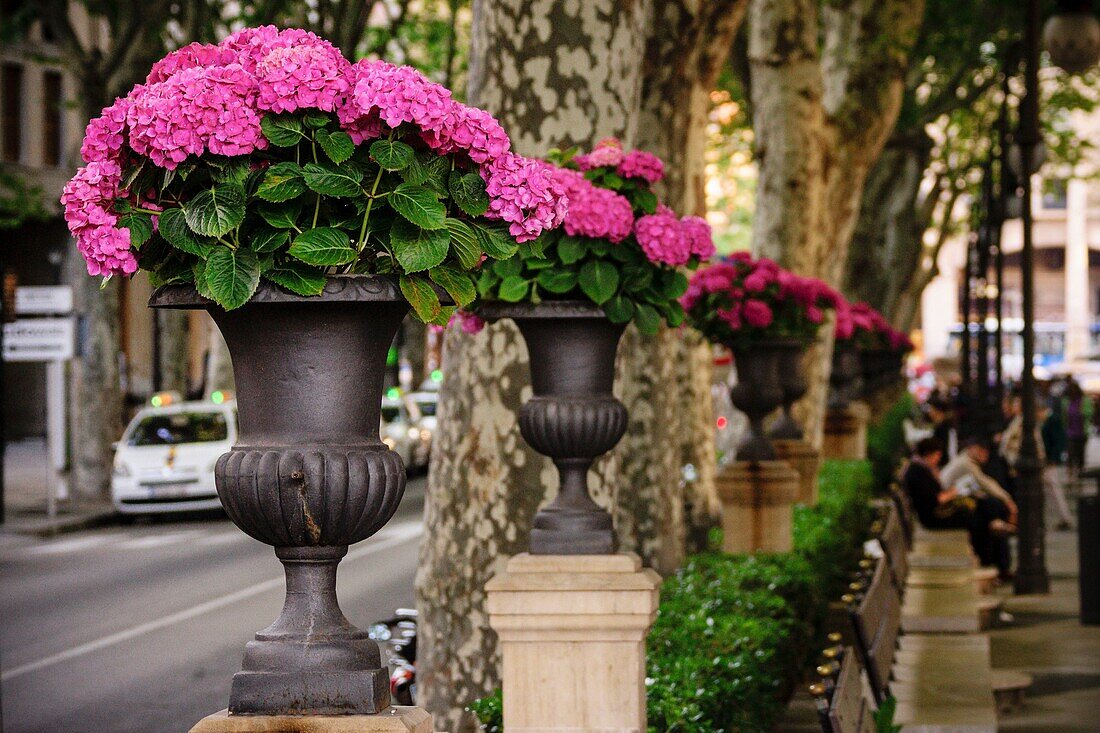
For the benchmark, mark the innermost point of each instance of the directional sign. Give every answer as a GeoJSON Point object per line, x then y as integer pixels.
{"type": "Point", "coordinates": [39, 339]}
{"type": "Point", "coordinates": [43, 300]}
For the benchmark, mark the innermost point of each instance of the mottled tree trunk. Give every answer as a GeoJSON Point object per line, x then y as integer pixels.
{"type": "Point", "coordinates": [173, 336]}
{"type": "Point", "coordinates": [219, 365]}
{"type": "Point", "coordinates": [827, 81]}
{"type": "Point", "coordinates": [415, 343]}
{"type": "Point", "coordinates": [96, 395]}
{"type": "Point", "coordinates": [555, 73]}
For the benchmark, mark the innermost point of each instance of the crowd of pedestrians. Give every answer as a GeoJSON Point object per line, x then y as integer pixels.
{"type": "Point", "coordinates": [963, 471]}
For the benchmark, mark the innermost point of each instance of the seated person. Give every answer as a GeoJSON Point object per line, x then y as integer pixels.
{"type": "Point", "coordinates": [940, 508]}
{"type": "Point", "coordinates": [966, 472]}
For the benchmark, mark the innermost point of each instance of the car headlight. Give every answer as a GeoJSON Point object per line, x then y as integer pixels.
{"type": "Point", "coordinates": [121, 470]}
{"type": "Point", "coordinates": [413, 433]}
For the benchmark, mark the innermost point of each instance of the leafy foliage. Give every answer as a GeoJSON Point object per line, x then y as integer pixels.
{"type": "Point", "coordinates": [312, 205]}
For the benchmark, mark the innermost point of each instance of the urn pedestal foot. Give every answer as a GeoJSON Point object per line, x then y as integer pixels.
{"type": "Point", "coordinates": [390, 720]}
{"type": "Point", "coordinates": [845, 433]}
{"type": "Point", "coordinates": [572, 635]}
{"type": "Point", "coordinates": [802, 457]}
{"type": "Point", "coordinates": [757, 497]}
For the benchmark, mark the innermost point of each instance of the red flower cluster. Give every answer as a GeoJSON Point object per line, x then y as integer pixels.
{"type": "Point", "coordinates": [867, 327]}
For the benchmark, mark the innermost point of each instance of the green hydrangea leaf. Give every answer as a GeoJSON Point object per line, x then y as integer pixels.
{"type": "Point", "coordinates": [281, 216]}
{"type": "Point", "coordinates": [216, 211]}
{"type": "Point", "coordinates": [419, 205]}
{"type": "Point", "coordinates": [282, 182]}
{"type": "Point", "coordinates": [571, 249]}
{"type": "Point", "coordinates": [421, 296]}
{"type": "Point", "coordinates": [322, 246]}
{"type": "Point", "coordinates": [619, 309]}
{"type": "Point", "coordinates": [458, 284]}
{"type": "Point", "coordinates": [558, 282]}
{"type": "Point", "coordinates": [392, 155]}
{"type": "Point", "coordinates": [647, 318]}
{"type": "Point", "coordinates": [297, 278]}
{"type": "Point", "coordinates": [140, 226]}
{"type": "Point", "coordinates": [599, 281]}
{"type": "Point", "coordinates": [329, 179]}
{"type": "Point", "coordinates": [338, 145]}
{"type": "Point", "coordinates": [232, 276]}
{"type": "Point", "coordinates": [282, 131]}
{"type": "Point", "coordinates": [464, 243]}
{"type": "Point", "coordinates": [513, 289]}
{"type": "Point", "coordinates": [266, 240]}
{"type": "Point", "coordinates": [494, 240]}
{"type": "Point", "coordinates": [468, 192]}
{"type": "Point", "coordinates": [172, 225]}
{"type": "Point", "coordinates": [418, 249]}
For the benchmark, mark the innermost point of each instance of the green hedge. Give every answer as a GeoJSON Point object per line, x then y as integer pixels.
{"type": "Point", "coordinates": [886, 440]}
{"type": "Point", "coordinates": [733, 632]}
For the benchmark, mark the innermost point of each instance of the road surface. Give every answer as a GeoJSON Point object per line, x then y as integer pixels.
{"type": "Point", "coordinates": [139, 629]}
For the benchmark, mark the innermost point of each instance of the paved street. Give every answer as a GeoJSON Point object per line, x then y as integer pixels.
{"type": "Point", "coordinates": [139, 628]}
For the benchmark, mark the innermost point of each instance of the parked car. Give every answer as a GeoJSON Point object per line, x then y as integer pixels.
{"type": "Point", "coordinates": [427, 403]}
{"type": "Point", "coordinates": [401, 433]}
{"type": "Point", "coordinates": [165, 459]}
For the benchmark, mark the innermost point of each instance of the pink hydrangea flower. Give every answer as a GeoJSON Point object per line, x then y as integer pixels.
{"type": "Point", "coordinates": [393, 95]}
{"type": "Point", "coordinates": [662, 238]}
{"type": "Point", "coordinates": [104, 137]}
{"type": "Point", "coordinates": [468, 322]}
{"type": "Point", "coordinates": [642, 164]}
{"type": "Point", "coordinates": [699, 237]}
{"type": "Point", "coordinates": [594, 212]}
{"type": "Point", "coordinates": [302, 77]}
{"type": "Point", "coordinates": [106, 250]}
{"type": "Point", "coordinates": [607, 153]}
{"type": "Point", "coordinates": [757, 313]}
{"type": "Point", "coordinates": [524, 193]}
{"type": "Point", "coordinates": [193, 55]}
{"type": "Point", "coordinates": [251, 45]}
{"type": "Point", "coordinates": [472, 130]}
{"type": "Point", "coordinates": [196, 110]}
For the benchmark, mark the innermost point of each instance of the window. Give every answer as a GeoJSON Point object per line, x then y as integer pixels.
{"type": "Point", "coordinates": [11, 116]}
{"type": "Point", "coordinates": [1054, 193]}
{"type": "Point", "coordinates": [180, 428]}
{"type": "Point", "coordinates": [51, 126]}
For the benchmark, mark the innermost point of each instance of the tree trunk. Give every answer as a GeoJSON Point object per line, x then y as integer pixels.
{"type": "Point", "coordinates": [96, 396]}
{"type": "Point", "coordinates": [826, 88]}
{"type": "Point", "coordinates": [219, 365]}
{"type": "Point", "coordinates": [554, 74]}
{"type": "Point", "coordinates": [687, 46]}
{"type": "Point", "coordinates": [174, 349]}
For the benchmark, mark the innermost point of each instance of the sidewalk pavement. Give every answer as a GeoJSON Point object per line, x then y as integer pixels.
{"type": "Point", "coordinates": [25, 504]}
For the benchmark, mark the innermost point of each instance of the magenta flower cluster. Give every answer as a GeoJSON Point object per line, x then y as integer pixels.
{"type": "Point", "coordinates": [103, 244]}
{"type": "Point", "coordinates": [668, 240]}
{"type": "Point", "coordinates": [608, 153]}
{"type": "Point", "coordinates": [211, 98]}
{"type": "Point", "coordinates": [862, 322]}
{"type": "Point", "coordinates": [594, 212]}
{"type": "Point", "coordinates": [739, 292]}
{"type": "Point", "coordinates": [525, 193]}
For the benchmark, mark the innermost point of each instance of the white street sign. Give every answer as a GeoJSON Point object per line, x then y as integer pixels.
{"type": "Point", "coordinates": [39, 339]}
{"type": "Point", "coordinates": [43, 300]}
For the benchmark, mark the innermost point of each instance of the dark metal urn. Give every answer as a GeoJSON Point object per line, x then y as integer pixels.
{"type": "Point", "coordinates": [310, 476]}
{"type": "Point", "coordinates": [844, 375]}
{"type": "Point", "coordinates": [793, 383]}
{"type": "Point", "coordinates": [757, 393]}
{"type": "Point", "coordinates": [573, 416]}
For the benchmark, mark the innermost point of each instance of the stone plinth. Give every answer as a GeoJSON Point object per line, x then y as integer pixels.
{"type": "Point", "coordinates": [390, 720]}
{"type": "Point", "coordinates": [756, 505]}
{"type": "Point", "coordinates": [845, 433]}
{"type": "Point", "coordinates": [572, 634]}
{"type": "Point", "coordinates": [802, 457]}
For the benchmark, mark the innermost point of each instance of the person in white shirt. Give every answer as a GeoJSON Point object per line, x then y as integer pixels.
{"type": "Point", "coordinates": [964, 472]}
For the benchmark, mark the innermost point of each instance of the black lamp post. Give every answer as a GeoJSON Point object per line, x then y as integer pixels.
{"type": "Point", "coordinates": [1031, 570]}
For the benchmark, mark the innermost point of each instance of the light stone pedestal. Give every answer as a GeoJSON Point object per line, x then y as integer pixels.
{"type": "Point", "coordinates": [802, 457]}
{"type": "Point", "coordinates": [390, 720]}
{"type": "Point", "coordinates": [756, 505]}
{"type": "Point", "coordinates": [572, 633]}
{"type": "Point", "coordinates": [846, 433]}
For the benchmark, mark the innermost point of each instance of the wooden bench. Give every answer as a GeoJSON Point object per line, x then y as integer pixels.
{"type": "Point", "coordinates": [940, 683]}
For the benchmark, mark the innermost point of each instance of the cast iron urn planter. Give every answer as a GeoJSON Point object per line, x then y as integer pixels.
{"type": "Point", "coordinates": [309, 476]}
{"type": "Point", "coordinates": [844, 376]}
{"type": "Point", "coordinates": [793, 384]}
{"type": "Point", "coordinates": [573, 416]}
{"type": "Point", "coordinates": [757, 393]}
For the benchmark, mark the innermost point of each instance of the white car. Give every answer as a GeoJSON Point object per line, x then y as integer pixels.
{"type": "Point", "coordinates": [401, 433]}
{"type": "Point", "coordinates": [165, 460]}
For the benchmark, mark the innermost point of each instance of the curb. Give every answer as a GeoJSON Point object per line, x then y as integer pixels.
{"type": "Point", "coordinates": [60, 525]}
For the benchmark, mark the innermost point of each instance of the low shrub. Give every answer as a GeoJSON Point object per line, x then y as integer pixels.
{"type": "Point", "coordinates": [886, 440]}
{"type": "Point", "coordinates": [733, 632]}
